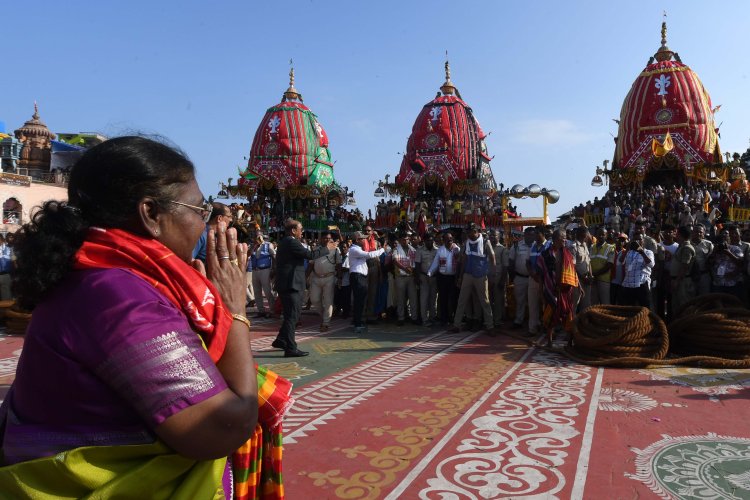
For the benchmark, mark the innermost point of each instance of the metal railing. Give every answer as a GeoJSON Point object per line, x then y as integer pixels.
{"type": "Point", "coordinates": [57, 178]}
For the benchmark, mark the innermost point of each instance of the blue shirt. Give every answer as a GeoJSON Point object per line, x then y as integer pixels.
{"type": "Point", "coordinates": [6, 258]}
{"type": "Point", "coordinates": [199, 252]}
{"type": "Point", "coordinates": [536, 251]}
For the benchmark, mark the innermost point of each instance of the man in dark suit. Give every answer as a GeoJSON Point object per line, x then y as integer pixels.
{"type": "Point", "coordinates": [290, 282]}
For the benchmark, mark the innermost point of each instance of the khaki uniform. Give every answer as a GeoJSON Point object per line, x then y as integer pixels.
{"type": "Point", "coordinates": [322, 283]}
{"type": "Point", "coordinates": [405, 286]}
{"type": "Point", "coordinates": [474, 291]}
{"type": "Point", "coordinates": [535, 288]}
{"type": "Point", "coordinates": [682, 290]}
{"type": "Point", "coordinates": [496, 281]}
{"type": "Point", "coordinates": [701, 273]}
{"type": "Point", "coordinates": [519, 255]}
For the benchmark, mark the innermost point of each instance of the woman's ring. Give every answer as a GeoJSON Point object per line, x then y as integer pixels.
{"type": "Point", "coordinates": [223, 257]}
{"type": "Point", "coordinates": [235, 262]}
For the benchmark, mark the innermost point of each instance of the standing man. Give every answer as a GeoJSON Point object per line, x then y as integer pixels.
{"type": "Point", "coordinates": [427, 284]}
{"type": "Point", "coordinates": [475, 261]}
{"type": "Point", "coordinates": [636, 284]}
{"type": "Point", "coordinates": [358, 270]}
{"type": "Point", "coordinates": [263, 258]}
{"type": "Point", "coordinates": [404, 257]}
{"type": "Point", "coordinates": [519, 274]}
{"type": "Point", "coordinates": [343, 295]}
{"type": "Point", "coordinates": [535, 283]}
{"type": "Point", "coordinates": [446, 265]}
{"type": "Point", "coordinates": [648, 243]}
{"type": "Point", "coordinates": [618, 269]}
{"type": "Point", "coordinates": [736, 240]}
{"type": "Point", "coordinates": [6, 265]}
{"type": "Point", "coordinates": [580, 250]}
{"type": "Point", "coordinates": [322, 282]}
{"type": "Point", "coordinates": [602, 262]}
{"type": "Point", "coordinates": [680, 270]}
{"type": "Point", "coordinates": [497, 278]}
{"type": "Point", "coordinates": [290, 282]}
{"type": "Point", "coordinates": [703, 248]}
{"type": "Point", "coordinates": [370, 244]}
{"type": "Point", "coordinates": [667, 249]}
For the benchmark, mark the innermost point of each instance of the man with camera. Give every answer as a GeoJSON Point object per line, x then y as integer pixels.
{"type": "Point", "coordinates": [636, 285]}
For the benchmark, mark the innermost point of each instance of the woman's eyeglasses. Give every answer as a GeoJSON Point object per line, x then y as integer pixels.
{"type": "Point", "coordinates": [204, 210]}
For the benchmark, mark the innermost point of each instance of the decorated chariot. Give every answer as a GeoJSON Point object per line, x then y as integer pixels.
{"type": "Point", "coordinates": [290, 172]}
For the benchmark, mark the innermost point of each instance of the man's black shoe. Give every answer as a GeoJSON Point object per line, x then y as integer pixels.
{"type": "Point", "coordinates": [278, 344]}
{"type": "Point", "coordinates": [296, 353]}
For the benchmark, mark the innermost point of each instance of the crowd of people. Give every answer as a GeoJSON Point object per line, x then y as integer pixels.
{"type": "Point", "coordinates": [400, 275]}
{"type": "Point", "coordinates": [454, 210]}
{"type": "Point", "coordinates": [656, 247]}
{"type": "Point", "coordinates": [271, 211]}
{"type": "Point", "coordinates": [661, 246]}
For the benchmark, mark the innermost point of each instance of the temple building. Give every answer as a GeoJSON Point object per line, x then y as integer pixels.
{"type": "Point", "coordinates": [667, 133]}
{"type": "Point", "coordinates": [36, 139]}
{"type": "Point", "coordinates": [26, 181]}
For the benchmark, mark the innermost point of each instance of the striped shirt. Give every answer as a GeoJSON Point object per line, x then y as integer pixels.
{"type": "Point", "coordinates": [637, 270]}
{"type": "Point", "coordinates": [405, 257]}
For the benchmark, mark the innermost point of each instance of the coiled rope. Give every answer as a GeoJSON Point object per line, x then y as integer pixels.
{"type": "Point", "coordinates": [711, 331]}
{"type": "Point", "coordinates": [625, 336]}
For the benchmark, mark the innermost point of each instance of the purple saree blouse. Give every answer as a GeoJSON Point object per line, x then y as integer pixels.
{"type": "Point", "coordinates": [106, 359]}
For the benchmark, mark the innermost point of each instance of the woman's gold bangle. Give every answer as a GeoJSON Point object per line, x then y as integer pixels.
{"type": "Point", "coordinates": [241, 319]}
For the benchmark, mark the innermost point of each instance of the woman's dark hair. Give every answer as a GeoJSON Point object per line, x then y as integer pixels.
{"type": "Point", "coordinates": [105, 187]}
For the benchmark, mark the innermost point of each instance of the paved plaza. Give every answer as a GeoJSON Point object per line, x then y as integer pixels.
{"type": "Point", "coordinates": [412, 412]}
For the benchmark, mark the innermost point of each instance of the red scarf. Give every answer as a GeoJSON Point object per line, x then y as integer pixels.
{"type": "Point", "coordinates": [181, 283]}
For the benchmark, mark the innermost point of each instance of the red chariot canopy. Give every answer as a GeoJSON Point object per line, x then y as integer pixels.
{"type": "Point", "coordinates": [667, 97]}
{"type": "Point", "coordinates": [290, 143]}
{"type": "Point", "coordinates": [446, 144]}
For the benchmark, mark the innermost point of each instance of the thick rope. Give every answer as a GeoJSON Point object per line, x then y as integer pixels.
{"type": "Point", "coordinates": [711, 331]}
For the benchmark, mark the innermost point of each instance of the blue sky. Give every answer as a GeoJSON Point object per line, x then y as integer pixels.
{"type": "Point", "coordinates": [544, 77]}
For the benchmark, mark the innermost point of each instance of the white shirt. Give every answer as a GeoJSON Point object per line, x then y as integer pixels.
{"type": "Point", "coordinates": [445, 260]}
{"type": "Point", "coordinates": [519, 254]}
{"type": "Point", "coordinates": [358, 259]}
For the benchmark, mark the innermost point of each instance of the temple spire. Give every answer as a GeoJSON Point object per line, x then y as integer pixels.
{"type": "Point", "coordinates": [291, 93]}
{"type": "Point", "coordinates": [448, 88]}
{"type": "Point", "coordinates": [36, 111]}
{"type": "Point", "coordinates": [663, 54]}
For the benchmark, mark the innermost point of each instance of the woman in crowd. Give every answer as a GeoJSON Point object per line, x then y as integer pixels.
{"type": "Point", "coordinates": [136, 378]}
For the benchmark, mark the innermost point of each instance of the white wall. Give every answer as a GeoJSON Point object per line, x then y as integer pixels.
{"type": "Point", "coordinates": [31, 198]}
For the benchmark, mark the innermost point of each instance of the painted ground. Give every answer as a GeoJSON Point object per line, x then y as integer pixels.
{"type": "Point", "coordinates": [411, 412]}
